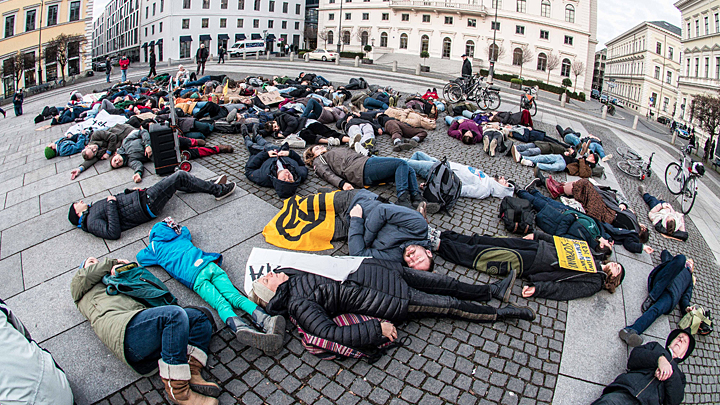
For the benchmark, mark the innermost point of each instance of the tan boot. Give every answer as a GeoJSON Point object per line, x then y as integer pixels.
{"type": "Point", "coordinates": [176, 378]}
{"type": "Point", "coordinates": [197, 360]}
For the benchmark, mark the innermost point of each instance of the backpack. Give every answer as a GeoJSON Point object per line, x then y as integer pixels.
{"type": "Point", "coordinates": [458, 108]}
{"type": "Point", "coordinates": [138, 283]}
{"type": "Point", "coordinates": [443, 186]}
{"type": "Point", "coordinates": [328, 350]}
{"type": "Point", "coordinates": [698, 320]}
{"type": "Point", "coordinates": [517, 215]}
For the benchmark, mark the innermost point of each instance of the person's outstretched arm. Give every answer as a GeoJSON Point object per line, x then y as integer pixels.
{"type": "Point", "coordinates": [87, 277]}
{"type": "Point", "coordinates": [314, 320]}
{"type": "Point", "coordinates": [568, 289]}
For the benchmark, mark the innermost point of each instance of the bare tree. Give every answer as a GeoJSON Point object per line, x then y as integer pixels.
{"type": "Point", "coordinates": [553, 62]}
{"type": "Point", "coordinates": [324, 36]}
{"type": "Point", "coordinates": [13, 66]}
{"type": "Point", "coordinates": [527, 56]}
{"type": "Point", "coordinates": [61, 46]}
{"type": "Point", "coordinates": [500, 52]}
{"type": "Point", "coordinates": [705, 110]}
{"type": "Point", "coordinates": [578, 68]}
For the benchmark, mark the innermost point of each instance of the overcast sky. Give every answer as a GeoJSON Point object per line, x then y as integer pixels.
{"type": "Point", "coordinates": [614, 16]}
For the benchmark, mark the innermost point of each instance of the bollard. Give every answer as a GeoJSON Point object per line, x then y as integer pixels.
{"type": "Point", "coordinates": [357, 61]}
{"type": "Point", "coordinates": [244, 56]}
{"type": "Point", "coordinates": [604, 112]}
{"type": "Point", "coordinates": [417, 69]}
{"type": "Point", "coordinates": [394, 68]}
{"type": "Point", "coordinates": [337, 60]}
{"type": "Point", "coordinates": [169, 61]}
{"type": "Point", "coordinates": [292, 56]}
{"type": "Point", "coordinates": [267, 55]}
{"type": "Point", "coordinates": [307, 57]}
{"type": "Point", "coordinates": [674, 138]}
{"type": "Point", "coordinates": [257, 55]}
{"type": "Point", "coordinates": [635, 122]}
{"type": "Point", "coordinates": [563, 100]}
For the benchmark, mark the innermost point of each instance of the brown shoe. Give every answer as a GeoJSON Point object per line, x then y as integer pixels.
{"type": "Point", "coordinates": [554, 187]}
{"type": "Point", "coordinates": [200, 142]}
{"type": "Point", "coordinates": [225, 148]}
{"type": "Point", "coordinates": [422, 208]}
{"type": "Point", "coordinates": [176, 378]}
{"type": "Point", "coordinates": [197, 360]}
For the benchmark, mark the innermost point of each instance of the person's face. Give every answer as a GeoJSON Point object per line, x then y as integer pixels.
{"type": "Point", "coordinates": [273, 280]}
{"type": "Point", "coordinates": [680, 345]}
{"type": "Point", "coordinates": [276, 127]}
{"type": "Point", "coordinates": [591, 158]}
{"type": "Point", "coordinates": [285, 175]}
{"type": "Point", "coordinates": [318, 150]}
{"type": "Point", "coordinates": [80, 207]}
{"type": "Point", "coordinates": [116, 161]}
{"type": "Point", "coordinates": [614, 268]}
{"type": "Point", "coordinates": [90, 261]}
{"type": "Point", "coordinates": [89, 152]}
{"type": "Point", "coordinates": [503, 181]}
{"type": "Point", "coordinates": [417, 257]}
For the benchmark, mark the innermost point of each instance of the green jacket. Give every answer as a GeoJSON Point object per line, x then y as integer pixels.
{"type": "Point", "coordinates": [108, 314]}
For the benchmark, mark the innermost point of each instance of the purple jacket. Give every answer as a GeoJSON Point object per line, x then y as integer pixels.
{"type": "Point", "coordinates": [458, 129]}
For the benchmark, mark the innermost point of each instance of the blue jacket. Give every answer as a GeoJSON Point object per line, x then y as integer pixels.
{"type": "Point", "coordinates": [680, 287]}
{"type": "Point", "coordinates": [176, 254]}
{"type": "Point", "coordinates": [70, 146]}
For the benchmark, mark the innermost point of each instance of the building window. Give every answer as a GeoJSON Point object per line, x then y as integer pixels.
{"type": "Point", "coordinates": [256, 7]}
{"type": "Point", "coordinates": [185, 49]}
{"type": "Point", "coordinates": [271, 6]}
{"type": "Point", "coordinates": [30, 21]}
{"type": "Point", "coordinates": [364, 38]}
{"type": "Point", "coordinates": [206, 4]}
{"type": "Point", "coordinates": [297, 9]}
{"type": "Point", "coordinates": [346, 37]}
{"type": "Point", "coordinates": [448, 20]}
{"type": "Point", "coordinates": [285, 7]}
{"type": "Point", "coordinates": [519, 29]}
{"type": "Point", "coordinates": [565, 68]}
{"type": "Point", "coordinates": [205, 22]}
{"type": "Point", "coordinates": [426, 18]}
{"type": "Point", "coordinates": [521, 6]}
{"type": "Point", "coordinates": [385, 16]}
{"type": "Point", "coordinates": [152, 29]}
{"type": "Point", "coordinates": [697, 28]}
{"type": "Point", "coordinates": [470, 49]}
{"type": "Point", "coordinates": [297, 25]}
{"type": "Point", "coordinates": [154, 4]}
{"type": "Point", "coordinates": [186, 4]}
{"type": "Point", "coordinates": [542, 62]}
{"type": "Point", "coordinates": [717, 67]}
{"type": "Point", "coordinates": [668, 78]}
{"type": "Point", "coordinates": [472, 22]}
{"type": "Point", "coordinates": [658, 48]}
{"type": "Point", "coordinates": [570, 13]}
{"type": "Point", "coordinates": [162, 7]}
{"type": "Point", "coordinates": [75, 11]}
{"type": "Point", "coordinates": [545, 8]}
{"type": "Point", "coordinates": [568, 40]}
{"type": "Point", "coordinates": [241, 4]}
{"type": "Point", "coordinates": [707, 25]}
{"type": "Point", "coordinates": [657, 72]}
{"type": "Point", "coordinates": [496, 4]}
{"type": "Point", "coordinates": [331, 16]}
{"type": "Point", "coordinates": [687, 68]}
{"type": "Point", "coordinates": [348, 16]}
{"type": "Point", "coordinates": [405, 17]}
{"type": "Point", "coordinates": [495, 25]}
{"type": "Point", "coordinates": [223, 22]}
{"type": "Point", "coordinates": [185, 23]}
{"type": "Point", "coordinates": [271, 23]}
{"type": "Point", "coordinates": [383, 39]}
{"type": "Point", "coordinates": [424, 44]}
{"type": "Point", "coordinates": [493, 52]}
{"type": "Point", "coordinates": [9, 26]}
{"type": "Point", "coordinates": [403, 41]}
{"type": "Point", "coordinates": [330, 37]}
{"type": "Point", "coordinates": [688, 30]}
{"type": "Point", "coordinates": [670, 52]}
{"type": "Point", "coordinates": [366, 16]}
{"type": "Point", "coordinates": [707, 67]}
{"type": "Point", "coordinates": [256, 23]}
{"type": "Point", "coordinates": [697, 67]}
{"type": "Point", "coordinates": [544, 34]}
{"type": "Point", "coordinates": [223, 5]}
{"type": "Point", "coordinates": [446, 47]}
{"type": "Point", "coordinates": [240, 23]}
{"type": "Point", "coordinates": [147, 11]}
{"type": "Point", "coordinates": [283, 25]}
{"type": "Point", "coordinates": [717, 23]}
{"type": "Point", "coordinates": [160, 27]}
{"type": "Point", "coordinates": [517, 57]}
{"type": "Point", "coordinates": [52, 15]}
{"type": "Point", "coordinates": [666, 101]}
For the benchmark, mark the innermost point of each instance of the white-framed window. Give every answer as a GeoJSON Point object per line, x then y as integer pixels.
{"type": "Point", "coordinates": [657, 72]}
{"type": "Point", "coordinates": [542, 62]}
{"type": "Point", "coordinates": [241, 4]}
{"type": "Point", "coordinates": [271, 23]}
{"type": "Point", "coordinates": [185, 24]}
{"type": "Point", "coordinates": [383, 39]}
{"type": "Point", "coordinates": [385, 16]}
{"type": "Point", "coordinates": [544, 34]}
{"type": "Point", "coordinates": [668, 78]}
{"type": "Point", "coordinates": [496, 4]}
{"type": "Point", "coordinates": [472, 22]}
{"type": "Point", "coordinates": [52, 13]}
{"type": "Point", "coordinates": [205, 23]}
{"type": "Point", "coordinates": [331, 16]}
{"type": "Point", "coordinates": [240, 23]}
{"type": "Point", "coordinates": [185, 49]}
{"type": "Point", "coordinates": [670, 52]}
{"type": "Point", "coordinates": [348, 16]}
{"type": "Point", "coordinates": [517, 57]}
{"type": "Point", "coordinates": [565, 68]}
{"type": "Point", "coordinates": [495, 25]}
{"type": "Point", "coordinates": [470, 49]}
{"type": "Point", "coordinates": [425, 44]}
{"type": "Point", "coordinates": [403, 41]}
{"type": "Point", "coordinates": [448, 20]}
{"type": "Point", "coordinates": [519, 29]}
{"type": "Point", "coordinates": [366, 16]}
{"type": "Point", "coordinates": [570, 13]}
{"type": "Point", "coordinates": [346, 37]}
{"type": "Point", "coordinates": [271, 6]}
{"type": "Point", "coordinates": [223, 23]}
{"type": "Point", "coordinates": [521, 6]}
{"type": "Point", "coordinates": [568, 40]}
{"type": "Point", "coordinates": [285, 7]}
{"type": "Point", "coordinates": [405, 17]}
{"type": "Point", "coordinates": [74, 11]}
{"type": "Point", "coordinates": [426, 18]}
{"type": "Point", "coordinates": [206, 4]}
{"type": "Point", "coordinates": [186, 5]}
{"type": "Point", "coordinates": [447, 47]}
{"type": "Point", "coordinates": [30, 20]}
{"type": "Point", "coordinates": [545, 8]}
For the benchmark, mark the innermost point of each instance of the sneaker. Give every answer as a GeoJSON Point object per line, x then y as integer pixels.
{"type": "Point", "coordinates": [359, 149]}
{"type": "Point", "coordinates": [641, 189]}
{"type": "Point", "coordinates": [333, 142]}
{"type": "Point", "coordinates": [294, 141]}
{"type": "Point", "coordinates": [532, 184]}
{"type": "Point", "coordinates": [228, 189]}
{"type": "Point", "coordinates": [527, 163]}
{"type": "Point", "coordinates": [630, 337]}
{"type": "Point", "coordinates": [221, 180]}
{"type": "Point", "coordinates": [493, 147]}
{"type": "Point", "coordinates": [402, 146]}
{"type": "Point", "coordinates": [416, 198]}
{"type": "Point", "coordinates": [412, 142]}
{"type": "Point", "coordinates": [404, 200]}
{"type": "Point", "coordinates": [515, 154]}
{"type": "Point", "coordinates": [486, 144]}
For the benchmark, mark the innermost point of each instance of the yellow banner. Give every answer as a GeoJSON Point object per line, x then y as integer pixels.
{"type": "Point", "coordinates": [304, 223]}
{"type": "Point", "coordinates": [574, 255]}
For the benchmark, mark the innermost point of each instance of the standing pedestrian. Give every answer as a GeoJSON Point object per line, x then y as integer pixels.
{"type": "Point", "coordinates": [691, 141]}
{"type": "Point", "coordinates": [3, 113]}
{"type": "Point", "coordinates": [108, 67]}
{"type": "Point", "coordinates": [221, 54]}
{"type": "Point", "coordinates": [712, 150]}
{"type": "Point", "coordinates": [18, 99]}
{"type": "Point", "coordinates": [706, 149]}
{"type": "Point", "coordinates": [153, 63]}
{"type": "Point", "coordinates": [124, 63]}
{"type": "Point", "coordinates": [201, 57]}
{"type": "Point", "coordinates": [466, 67]}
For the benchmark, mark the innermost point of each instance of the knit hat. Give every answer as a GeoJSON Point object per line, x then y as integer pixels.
{"type": "Point", "coordinates": [691, 342]}
{"type": "Point", "coordinates": [262, 292]}
{"type": "Point", "coordinates": [50, 152]}
{"type": "Point", "coordinates": [73, 216]}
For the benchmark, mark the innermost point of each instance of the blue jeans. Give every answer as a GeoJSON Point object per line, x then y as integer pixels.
{"type": "Point", "coordinates": [259, 145]}
{"type": "Point", "coordinates": [371, 103]}
{"type": "Point", "coordinates": [286, 90]}
{"type": "Point", "coordinates": [422, 163]}
{"type": "Point", "coordinates": [124, 75]}
{"type": "Point", "coordinates": [107, 76]}
{"type": "Point", "coordinates": [449, 120]}
{"type": "Point", "coordinates": [326, 102]}
{"type": "Point", "coordinates": [382, 169]}
{"type": "Point", "coordinates": [198, 82]}
{"type": "Point", "coordinates": [313, 109]}
{"type": "Point", "coordinates": [672, 266]}
{"type": "Point", "coordinates": [528, 149]}
{"type": "Point", "coordinates": [594, 146]}
{"type": "Point", "coordinates": [159, 194]}
{"type": "Point", "coordinates": [662, 305]}
{"type": "Point", "coordinates": [651, 201]}
{"type": "Point", "coordinates": [539, 201]}
{"type": "Point", "coordinates": [549, 163]}
{"type": "Point", "coordinates": [165, 332]}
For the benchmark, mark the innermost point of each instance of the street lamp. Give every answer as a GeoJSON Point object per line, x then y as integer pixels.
{"type": "Point", "coordinates": [493, 53]}
{"type": "Point", "coordinates": [39, 75]}
{"type": "Point", "coordinates": [340, 17]}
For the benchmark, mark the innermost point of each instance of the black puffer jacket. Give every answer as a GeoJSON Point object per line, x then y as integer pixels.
{"type": "Point", "coordinates": [107, 219]}
{"type": "Point", "coordinates": [376, 289]}
{"type": "Point", "coordinates": [262, 170]}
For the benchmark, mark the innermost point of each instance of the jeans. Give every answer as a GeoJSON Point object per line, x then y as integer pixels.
{"type": "Point", "coordinates": [159, 194]}
{"type": "Point", "coordinates": [18, 109]}
{"type": "Point", "coordinates": [539, 201]}
{"type": "Point", "coordinates": [528, 149]}
{"type": "Point", "coordinates": [287, 90]}
{"type": "Point", "coordinates": [672, 266]}
{"type": "Point", "coordinates": [548, 163]}
{"type": "Point", "coordinates": [594, 145]}
{"type": "Point", "coordinates": [651, 201]}
{"type": "Point", "coordinates": [371, 103]}
{"type": "Point", "coordinates": [198, 82]}
{"type": "Point", "coordinates": [123, 75]}
{"type": "Point", "coordinates": [662, 305]}
{"type": "Point", "coordinates": [324, 100]}
{"type": "Point", "coordinates": [422, 163]}
{"type": "Point", "coordinates": [620, 397]}
{"type": "Point", "coordinates": [381, 169]}
{"type": "Point", "coordinates": [213, 285]}
{"type": "Point", "coordinates": [259, 145]}
{"type": "Point", "coordinates": [313, 109]}
{"type": "Point", "coordinates": [449, 120]}
{"type": "Point", "coordinates": [165, 332]}
{"type": "Point", "coordinates": [107, 77]}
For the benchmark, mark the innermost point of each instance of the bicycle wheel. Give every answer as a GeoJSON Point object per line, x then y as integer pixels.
{"type": "Point", "coordinates": [533, 108]}
{"type": "Point", "coordinates": [688, 196]}
{"type": "Point", "coordinates": [493, 100]}
{"type": "Point", "coordinates": [627, 153]}
{"type": "Point", "coordinates": [454, 92]}
{"type": "Point", "coordinates": [630, 167]}
{"type": "Point", "coordinates": [674, 178]}
{"type": "Point", "coordinates": [481, 99]}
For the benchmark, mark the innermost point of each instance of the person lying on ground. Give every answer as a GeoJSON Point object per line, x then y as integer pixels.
{"type": "Point", "coordinates": [347, 169]}
{"type": "Point", "coordinates": [30, 374]}
{"type": "Point", "coordinates": [466, 130]}
{"type": "Point", "coordinates": [134, 151]}
{"type": "Point", "coordinates": [167, 338]}
{"type": "Point", "coordinates": [494, 137]}
{"type": "Point", "coordinates": [590, 141]}
{"type": "Point", "coordinates": [171, 248]}
{"type": "Point", "coordinates": [103, 143]}
{"type": "Point", "coordinates": [108, 218]}
{"type": "Point", "coordinates": [273, 166]}
{"type": "Point", "coordinates": [530, 155]}
{"type": "Point", "coordinates": [309, 130]}
{"type": "Point", "coordinates": [404, 137]}
{"type": "Point", "coordinates": [67, 115]}
{"type": "Point", "coordinates": [380, 289]}
{"type": "Point", "coordinates": [663, 216]}
{"type": "Point", "coordinates": [669, 284]}
{"type": "Point", "coordinates": [535, 260]}
{"type": "Point", "coordinates": [509, 118]}
{"type": "Point", "coordinates": [68, 145]}
{"type": "Point", "coordinates": [653, 376]}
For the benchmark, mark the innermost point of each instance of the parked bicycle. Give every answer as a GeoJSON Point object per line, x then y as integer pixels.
{"type": "Point", "coordinates": [634, 165]}
{"type": "Point", "coordinates": [487, 96]}
{"type": "Point", "coordinates": [527, 100]}
{"type": "Point", "coordinates": [474, 89]}
{"type": "Point", "coordinates": [681, 178]}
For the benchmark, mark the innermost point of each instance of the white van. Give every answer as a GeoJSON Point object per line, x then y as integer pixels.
{"type": "Point", "coordinates": [247, 47]}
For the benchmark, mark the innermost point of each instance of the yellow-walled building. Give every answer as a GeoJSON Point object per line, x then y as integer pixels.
{"type": "Point", "coordinates": [28, 25]}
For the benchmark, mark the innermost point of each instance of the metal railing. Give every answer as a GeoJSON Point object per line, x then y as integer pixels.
{"type": "Point", "coordinates": [471, 5]}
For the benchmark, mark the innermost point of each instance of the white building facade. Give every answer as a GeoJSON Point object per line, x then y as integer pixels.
{"type": "Point", "coordinates": [446, 29]}
{"type": "Point", "coordinates": [176, 28]}
{"type": "Point", "coordinates": [643, 67]}
{"type": "Point", "coordinates": [117, 31]}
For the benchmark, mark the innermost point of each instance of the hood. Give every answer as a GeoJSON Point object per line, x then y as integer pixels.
{"type": "Point", "coordinates": [383, 119]}
{"type": "Point", "coordinates": [283, 188]}
{"type": "Point", "coordinates": [161, 232]}
{"type": "Point", "coordinates": [278, 305]}
{"type": "Point", "coordinates": [499, 191]}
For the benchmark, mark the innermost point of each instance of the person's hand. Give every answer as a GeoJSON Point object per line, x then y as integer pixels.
{"type": "Point", "coordinates": [148, 151]}
{"type": "Point", "coordinates": [388, 330]}
{"type": "Point", "coordinates": [267, 110]}
{"type": "Point", "coordinates": [648, 249]}
{"type": "Point", "coordinates": [137, 178]}
{"type": "Point", "coordinates": [74, 173]}
{"type": "Point", "coordinates": [111, 198]}
{"type": "Point", "coordinates": [380, 131]}
{"type": "Point", "coordinates": [623, 207]}
{"type": "Point", "coordinates": [284, 153]}
{"type": "Point", "coordinates": [104, 156]}
{"type": "Point", "coordinates": [664, 370]}
{"type": "Point", "coordinates": [356, 211]}
{"type": "Point", "coordinates": [529, 236]}
{"type": "Point", "coordinates": [528, 291]}
{"type": "Point", "coordinates": [272, 153]}
{"type": "Point", "coordinates": [347, 186]}
{"type": "Point", "coordinates": [690, 308]}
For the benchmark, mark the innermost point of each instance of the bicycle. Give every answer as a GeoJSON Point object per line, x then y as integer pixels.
{"type": "Point", "coordinates": [634, 165]}
{"type": "Point", "coordinates": [681, 178]}
{"type": "Point", "coordinates": [527, 100]}
{"type": "Point", "coordinates": [487, 96]}
{"type": "Point", "coordinates": [461, 88]}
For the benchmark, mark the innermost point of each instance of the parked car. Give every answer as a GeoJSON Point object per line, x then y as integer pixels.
{"type": "Point", "coordinates": [603, 98]}
{"type": "Point", "coordinates": [98, 66]}
{"type": "Point", "coordinates": [322, 54]}
{"type": "Point", "coordinates": [614, 100]}
{"type": "Point", "coordinates": [664, 120]}
{"type": "Point", "coordinates": [682, 133]}
{"type": "Point", "coordinates": [595, 94]}
{"type": "Point", "coordinates": [248, 48]}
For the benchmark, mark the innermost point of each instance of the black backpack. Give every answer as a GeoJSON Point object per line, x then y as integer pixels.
{"type": "Point", "coordinates": [443, 186]}
{"type": "Point", "coordinates": [517, 215]}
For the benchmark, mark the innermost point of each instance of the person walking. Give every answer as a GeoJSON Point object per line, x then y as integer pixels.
{"type": "Point", "coordinates": [466, 67]}
{"type": "Point", "coordinates": [705, 156]}
{"type": "Point", "coordinates": [201, 57]}
{"type": "Point", "coordinates": [108, 68]}
{"type": "Point", "coordinates": [153, 63]}
{"type": "Point", "coordinates": [221, 54]}
{"type": "Point", "coordinates": [124, 63]}
{"type": "Point", "coordinates": [18, 99]}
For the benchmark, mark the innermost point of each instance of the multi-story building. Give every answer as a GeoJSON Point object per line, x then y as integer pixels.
{"type": "Point", "coordinates": [28, 27]}
{"type": "Point", "coordinates": [176, 28]}
{"type": "Point", "coordinates": [311, 23]}
{"type": "Point", "coordinates": [599, 70]}
{"type": "Point", "coordinates": [117, 31]}
{"type": "Point", "coordinates": [643, 66]}
{"type": "Point", "coordinates": [545, 29]}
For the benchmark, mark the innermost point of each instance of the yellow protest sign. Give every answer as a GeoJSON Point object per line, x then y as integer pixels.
{"type": "Point", "coordinates": [304, 223]}
{"type": "Point", "coordinates": [574, 255]}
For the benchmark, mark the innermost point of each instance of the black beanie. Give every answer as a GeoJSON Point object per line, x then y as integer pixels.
{"type": "Point", "coordinates": [73, 216]}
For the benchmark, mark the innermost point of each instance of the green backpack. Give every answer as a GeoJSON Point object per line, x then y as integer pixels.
{"type": "Point", "coordinates": [138, 283]}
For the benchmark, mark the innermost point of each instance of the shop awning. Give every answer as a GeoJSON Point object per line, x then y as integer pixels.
{"type": "Point", "coordinates": [151, 44]}
{"type": "Point", "coordinates": [255, 36]}
{"type": "Point", "coordinates": [223, 36]}
{"type": "Point", "coordinates": [159, 42]}
{"type": "Point", "coordinates": [205, 37]}
{"type": "Point", "coordinates": [144, 45]}
{"type": "Point", "coordinates": [186, 38]}
{"type": "Point", "coordinates": [240, 37]}
{"type": "Point", "coordinates": [270, 37]}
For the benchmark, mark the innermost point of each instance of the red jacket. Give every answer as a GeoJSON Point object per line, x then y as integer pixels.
{"type": "Point", "coordinates": [124, 63]}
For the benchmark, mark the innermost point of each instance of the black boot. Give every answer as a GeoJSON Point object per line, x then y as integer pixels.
{"type": "Point", "coordinates": [647, 303]}
{"type": "Point", "coordinates": [539, 175]}
{"type": "Point", "coordinates": [404, 200]}
{"type": "Point", "coordinates": [416, 198]}
{"type": "Point", "coordinates": [502, 289]}
{"type": "Point", "coordinates": [269, 343]}
{"type": "Point", "coordinates": [244, 131]}
{"type": "Point", "coordinates": [515, 312]}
